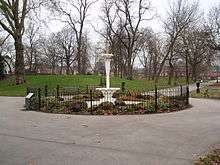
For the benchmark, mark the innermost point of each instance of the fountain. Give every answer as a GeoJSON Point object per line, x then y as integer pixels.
{"type": "Point", "coordinates": [107, 92]}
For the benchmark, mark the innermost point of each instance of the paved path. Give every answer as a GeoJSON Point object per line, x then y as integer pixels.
{"type": "Point", "coordinates": [163, 139]}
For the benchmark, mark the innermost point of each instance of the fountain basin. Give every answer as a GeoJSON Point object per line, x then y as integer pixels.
{"type": "Point", "coordinates": [108, 93]}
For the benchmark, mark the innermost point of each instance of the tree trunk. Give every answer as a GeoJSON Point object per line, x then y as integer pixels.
{"type": "Point", "coordinates": [35, 63]}
{"type": "Point", "coordinates": [130, 72]}
{"type": "Point", "coordinates": [61, 67]}
{"type": "Point", "coordinates": [187, 69]}
{"type": "Point", "coordinates": [68, 66]}
{"type": "Point", "coordinates": [129, 65]}
{"type": "Point", "coordinates": [31, 59]}
{"type": "Point", "coordinates": [171, 72]}
{"type": "Point", "coordinates": [83, 63]}
{"type": "Point", "coordinates": [194, 73]}
{"type": "Point", "coordinates": [19, 62]}
{"type": "Point", "coordinates": [78, 61]}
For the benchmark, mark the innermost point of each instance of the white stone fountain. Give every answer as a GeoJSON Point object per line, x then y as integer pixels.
{"type": "Point", "coordinates": [107, 91]}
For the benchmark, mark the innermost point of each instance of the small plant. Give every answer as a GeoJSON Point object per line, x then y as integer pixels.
{"type": "Point", "coordinates": [212, 158]}
{"type": "Point", "coordinates": [77, 106]}
{"type": "Point", "coordinates": [206, 93]}
{"type": "Point", "coordinates": [150, 109]}
{"type": "Point", "coordinates": [106, 106]}
{"type": "Point", "coordinates": [164, 106]}
{"type": "Point", "coordinates": [118, 94]}
{"type": "Point", "coordinates": [120, 103]}
{"type": "Point", "coordinates": [78, 97]}
{"type": "Point", "coordinates": [50, 104]}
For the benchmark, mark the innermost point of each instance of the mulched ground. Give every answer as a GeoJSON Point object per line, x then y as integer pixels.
{"type": "Point", "coordinates": [212, 158]}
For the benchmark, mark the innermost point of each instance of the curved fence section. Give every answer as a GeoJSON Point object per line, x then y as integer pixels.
{"type": "Point", "coordinates": [73, 100]}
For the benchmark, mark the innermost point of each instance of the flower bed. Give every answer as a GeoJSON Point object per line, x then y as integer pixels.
{"type": "Point", "coordinates": [119, 107]}
{"type": "Point", "coordinates": [122, 103]}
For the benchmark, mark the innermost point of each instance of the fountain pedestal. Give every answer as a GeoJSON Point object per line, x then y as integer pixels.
{"type": "Point", "coordinates": [107, 92]}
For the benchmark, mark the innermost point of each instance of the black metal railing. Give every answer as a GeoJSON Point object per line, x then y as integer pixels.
{"type": "Point", "coordinates": [73, 100]}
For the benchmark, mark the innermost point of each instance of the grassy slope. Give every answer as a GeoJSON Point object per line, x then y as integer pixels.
{"type": "Point", "coordinates": [8, 89]}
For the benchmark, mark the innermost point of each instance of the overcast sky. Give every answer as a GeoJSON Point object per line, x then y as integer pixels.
{"type": "Point", "coordinates": [161, 6]}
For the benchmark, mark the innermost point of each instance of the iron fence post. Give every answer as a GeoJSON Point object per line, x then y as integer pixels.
{"type": "Point", "coordinates": [39, 99]}
{"type": "Point", "coordinates": [46, 90]}
{"type": "Point", "coordinates": [187, 95]}
{"type": "Point", "coordinates": [156, 95]}
{"type": "Point", "coordinates": [87, 89]}
{"type": "Point", "coordinates": [181, 90]}
{"type": "Point", "coordinates": [58, 91]}
{"type": "Point", "coordinates": [91, 101]}
{"type": "Point", "coordinates": [123, 86]}
{"type": "Point", "coordinates": [197, 87]}
{"type": "Point", "coordinates": [27, 90]}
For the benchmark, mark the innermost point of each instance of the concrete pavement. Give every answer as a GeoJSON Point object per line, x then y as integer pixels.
{"type": "Point", "coordinates": [36, 138]}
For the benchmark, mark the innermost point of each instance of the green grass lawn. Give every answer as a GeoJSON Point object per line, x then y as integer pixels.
{"type": "Point", "coordinates": [7, 87]}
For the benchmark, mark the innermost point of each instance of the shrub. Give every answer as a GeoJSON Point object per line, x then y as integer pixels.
{"type": "Point", "coordinates": [77, 106]}
{"type": "Point", "coordinates": [97, 94]}
{"type": "Point", "coordinates": [148, 97]}
{"type": "Point", "coordinates": [106, 105]}
{"type": "Point", "coordinates": [134, 109]}
{"type": "Point", "coordinates": [62, 110]}
{"type": "Point", "coordinates": [78, 97]}
{"type": "Point", "coordinates": [150, 108]}
{"type": "Point", "coordinates": [164, 106]}
{"type": "Point", "coordinates": [50, 104]}
{"type": "Point", "coordinates": [99, 111]}
{"type": "Point", "coordinates": [119, 103]}
{"type": "Point", "coordinates": [118, 94]}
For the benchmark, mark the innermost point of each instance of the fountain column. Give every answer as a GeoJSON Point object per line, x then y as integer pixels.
{"type": "Point", "coordinates": [107, 91]}
{"type": "Point", "coordinates": [107, 72]}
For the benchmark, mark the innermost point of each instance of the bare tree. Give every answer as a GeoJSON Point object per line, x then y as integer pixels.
{"type": "Point", "coordinates": [125, 17]}
{"type": "Point", "coordinates": [150, 52]}
{"type": "Point", "coordinates": [181, 15]}
{"type": "Point", "coordinates": [75, 13]}
{"type": "Point", "coordinates": [66, 41]}
{"type": "Point", "coordinates": [13, 15]}
{"type": "Point", "coordinates": [213, 26]}
{"type": "Point", "coordinates": [51, 52]}
{"type": "Point", "coordinates": [85, 54]}
{"type": "Point", "coordinates": [197, 49]}
{"type": "Point", "coordinates": [31, 46]}
{"type": "Point", "coordinates": [6, 52]}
